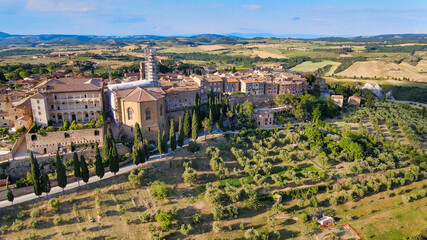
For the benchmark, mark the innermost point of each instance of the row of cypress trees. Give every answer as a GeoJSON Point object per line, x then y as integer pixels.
{"type": "Point", "coordinates": [41, 180]}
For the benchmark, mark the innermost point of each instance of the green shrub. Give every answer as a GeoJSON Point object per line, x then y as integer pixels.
{"type": "Point", "coordinates": [186, 229]}
{"type": "Point", "coordinates": [242, 226]}
{"type": "Point", "coordinates": [3, 229]}
{"type": "Point", "coordinates": [57, 221]}
{"type": "Point", "coordinates": [17, 225]}
{"type": "Point", "coordinates": [136, 177]}
{"type": "Point", "coordinates": [216, 226]}
{"type": "Point", "coordinates": [144, 217]}
{"type": "Point", "coordinates": [197, 218]}
{"type": "Point", "coordinates": [54, 204]}
{"type": "Point", "coordinates": [165, 218]}
{"type": "Point", "coordinates": [193, 146]}
{"type": "Point", "coordinates": [159, 189]}
{"type": "Point", "coordinates": [121, 208]}
{"type": "Point", "coordinates": [35, 212]}
{"type": "Point", "coordinates": [33, 223]}
{"type": "Point", "coordinates": [303, 217]}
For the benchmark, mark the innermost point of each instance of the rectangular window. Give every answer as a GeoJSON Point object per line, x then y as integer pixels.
{"type": "Point", "coordinates": [38, 101]}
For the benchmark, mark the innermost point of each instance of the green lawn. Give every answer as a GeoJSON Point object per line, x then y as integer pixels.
{"type": "Point", "coordinates": [313, 66]}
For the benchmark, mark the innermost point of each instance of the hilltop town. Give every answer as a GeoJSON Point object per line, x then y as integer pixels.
{"type": "Point", "coordinates": [169, 149]}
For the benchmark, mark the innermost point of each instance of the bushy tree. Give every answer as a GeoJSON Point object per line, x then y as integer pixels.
{"type": "Point", "coordinates": [136, 177]}
{"type": "Point", "coordinates": [189, 175]}
{"type": "Point", "coordinates": [159, 189]}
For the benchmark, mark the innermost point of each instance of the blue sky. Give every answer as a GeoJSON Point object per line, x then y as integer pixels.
{"type": "Point", "coordinates": [184, 17]}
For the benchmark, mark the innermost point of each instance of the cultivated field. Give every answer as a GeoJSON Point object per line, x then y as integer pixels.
{"type": "Point", "coordinates": [380, 69]}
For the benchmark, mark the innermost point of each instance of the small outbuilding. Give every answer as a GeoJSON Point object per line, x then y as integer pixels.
{"type": "Point", "coordinates": [326, 221]}
{"type": "Point", "coordinates": [354, 100]}
{"type": "Point", "coordinates": [277, 198]}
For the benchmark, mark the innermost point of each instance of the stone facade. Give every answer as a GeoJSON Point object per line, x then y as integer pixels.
{"type": "Point", "coordinates": [147, 107]}
{"type": "Point", "coordinates": [252, 87]}
{"type": "Point", "coordinates": [4, 109]}
{"type": "Point", "coordinates": [178, 98]}
{"type": "Point", "coordinates": [62, 139]}
{"type": "Point", "coordinates": [58, 100]}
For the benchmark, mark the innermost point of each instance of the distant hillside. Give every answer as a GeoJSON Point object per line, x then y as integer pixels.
{"type": "Point", "coordinates": [394, 38]}
{"type": "Point", "coordinates": [231, 38]}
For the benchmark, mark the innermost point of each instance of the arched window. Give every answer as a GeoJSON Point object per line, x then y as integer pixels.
{"type": "Point", "coordinates": [34, 137]}
{"type": "Point", "coordinates": [130, 113]}
{"type": "Point", "coordinates": [161, 109]}
{"type": "Point", "coordinates": [147, 114]}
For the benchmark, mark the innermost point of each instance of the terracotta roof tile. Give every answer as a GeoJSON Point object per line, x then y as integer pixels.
{"type": "Point", "coordinates": [144, 95]}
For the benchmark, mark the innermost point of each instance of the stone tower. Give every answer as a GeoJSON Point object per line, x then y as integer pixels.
{"type": "Point", "coordinates": [151, 68]}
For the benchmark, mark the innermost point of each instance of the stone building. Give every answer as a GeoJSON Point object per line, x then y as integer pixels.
{"type": "Point", "coordinates": [252, 86]}
{"type": "Point", "coordinates": [354, 100]}
{"type": "Point", "coordinates": [338, 99]}
{"type": "Point", "coordinates": [4, 109]}
{"type": "Point", "coordinates": [231, 85]}
{"type": "Point", "coordinates": [58, 100]}
{"type": "Point", "coordinates": [178, 98]}
{"type": "Point", "coordinates": [209, 83]}
{"type": "Point", "coordinates": [147, 107]}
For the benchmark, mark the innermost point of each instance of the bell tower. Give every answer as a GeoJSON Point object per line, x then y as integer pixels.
{"type": "Point", "coordinates": [151, 68]}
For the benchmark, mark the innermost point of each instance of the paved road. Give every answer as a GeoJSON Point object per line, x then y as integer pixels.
{"type": "Point", "coordinates": [73, 185]}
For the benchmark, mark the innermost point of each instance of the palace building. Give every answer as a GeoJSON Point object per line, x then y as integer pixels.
{"type": "Point", "coordinates": [58, 100]}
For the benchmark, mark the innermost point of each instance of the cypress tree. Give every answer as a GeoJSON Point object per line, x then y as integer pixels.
{"type": "Point", "coordinates": [195, 126]}
{"type": "Point", "coordinates": [76, 164]}
{"type": "Point", "coordinates": [35, 175]}
{"type": "Point", "coordinates": [46, 184]}
{"type": "Point", "coordinates": [164, 142]}
{"type": "Point", "coordinates": [107, 145]}
{"type": "Point", "coordinates": [211, 122]}
{"type": "Point", "coordinates": [181, 136]}
{"type": "Point", "coordinates": [61, 174]}
{"type": "Point", "coordinates": [99, 166]}
{"type": "Point", "coordinates": [187, 124]}
{"type": "Point", "coordinates": [160, 142]}
{"type": "Point", "coordinates": [146, 149]}
{"type": "Point", "coordinates": [114, 157]}
{"type": "Point", "coordinates": [138, 151]}
{"type": "Point", "coordinates": [10, 196]}
{"type": "Point", "coordinates": [172, 136]}
{"type": "Point", "coordinates": [85, 170]}
{"type": "Point", "coordinates": [138, 134]}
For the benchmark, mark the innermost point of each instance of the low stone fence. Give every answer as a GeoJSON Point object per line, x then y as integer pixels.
{"type": "Point", "coordinates": [52, 141]}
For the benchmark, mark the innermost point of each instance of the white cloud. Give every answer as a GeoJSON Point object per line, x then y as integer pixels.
{"type": "Point", "coordinates": [252, 7]}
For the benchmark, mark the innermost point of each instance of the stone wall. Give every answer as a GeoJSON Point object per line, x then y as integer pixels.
{"type": "Point", "coordinates": [62, 139]}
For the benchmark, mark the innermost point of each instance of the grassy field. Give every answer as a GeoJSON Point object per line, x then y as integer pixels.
{"type": "Point", "coordinates": [310, 66]}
